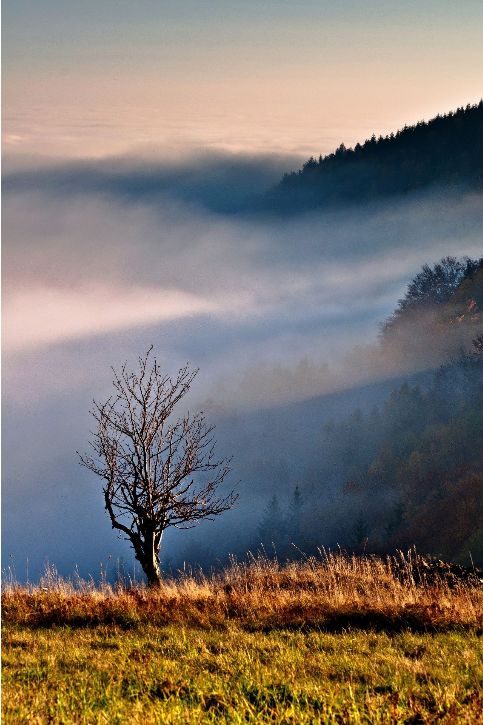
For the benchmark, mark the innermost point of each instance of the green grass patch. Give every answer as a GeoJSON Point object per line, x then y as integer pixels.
{"type": "Point", "coordinates": [182, 674]}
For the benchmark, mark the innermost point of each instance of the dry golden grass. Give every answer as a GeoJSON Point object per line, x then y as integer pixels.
{"type": "Point", "coordinates": [332, 639]}
{"type": "Point", "coordinates": [329, 592]}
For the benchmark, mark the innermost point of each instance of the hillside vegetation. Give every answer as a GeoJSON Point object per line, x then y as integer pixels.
{"type": "Point", "coordinates": [445, 152]}
{"type": "Point", "coordinates": [410, 471]}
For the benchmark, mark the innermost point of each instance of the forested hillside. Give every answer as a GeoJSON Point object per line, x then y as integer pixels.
{"type": "Point", "coordinates": [445, 152]}
{"type": "Point", "coordinates": [409, 472]}
{"type": "Point", "coordinates": [439, 314]}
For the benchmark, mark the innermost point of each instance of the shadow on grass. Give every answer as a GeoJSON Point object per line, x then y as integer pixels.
{"type": "Point", "coordinates": [373, 621]}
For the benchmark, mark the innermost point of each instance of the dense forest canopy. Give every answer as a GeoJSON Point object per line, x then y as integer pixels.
{"type": "Point", "coordinates": [446, 152]}
{"type": "Point", "coordinates": [446, 295]}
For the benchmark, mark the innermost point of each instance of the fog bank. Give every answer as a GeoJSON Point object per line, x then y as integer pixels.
{"type": "Point", "coordinates": [102, 260]}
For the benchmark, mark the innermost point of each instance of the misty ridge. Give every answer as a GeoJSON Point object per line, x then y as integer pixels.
{"type": "Point", "coordinates": [445, 152]}
{"type": "Point", "coordinates": [306, 358]}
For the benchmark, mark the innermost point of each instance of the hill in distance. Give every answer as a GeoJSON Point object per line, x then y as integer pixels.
{"type": "Point", "coordinates": [445, 153]}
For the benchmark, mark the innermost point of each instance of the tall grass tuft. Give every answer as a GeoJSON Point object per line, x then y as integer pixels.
{"type": "Point", "coordinates": [330, 591]}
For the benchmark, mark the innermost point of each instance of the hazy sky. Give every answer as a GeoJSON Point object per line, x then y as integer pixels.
{"type": "Point", "coordinates": [96, 77]}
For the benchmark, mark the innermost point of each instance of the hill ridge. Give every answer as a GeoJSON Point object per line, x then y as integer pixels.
{"type": "Point", "coordinates": [446, 151]}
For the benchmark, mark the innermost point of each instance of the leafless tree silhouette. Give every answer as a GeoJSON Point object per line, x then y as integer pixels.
{"type": "Point", "coordinates": [157, 472]}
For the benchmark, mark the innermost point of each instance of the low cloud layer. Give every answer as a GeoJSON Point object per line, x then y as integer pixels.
{"type": "Point", "coordinates": [213, 180]}
{"type": "Point", "coordinates": [101, 260]}
{"type": "Point", "coordinates": [52, 315]}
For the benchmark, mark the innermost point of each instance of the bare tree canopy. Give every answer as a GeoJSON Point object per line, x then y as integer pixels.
{"type": "Point", "coordinates": [157, 471]}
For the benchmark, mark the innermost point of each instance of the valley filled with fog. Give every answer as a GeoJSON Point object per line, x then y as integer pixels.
{"type": "Point", "coordinates": [281, 314]}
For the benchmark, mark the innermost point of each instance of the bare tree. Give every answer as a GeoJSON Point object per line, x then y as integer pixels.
{"type": "Point", "coordinates": [157, 472]}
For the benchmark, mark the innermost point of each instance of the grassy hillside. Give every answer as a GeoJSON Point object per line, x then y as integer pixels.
{"type": "Point", "coordinates": [332, 639]}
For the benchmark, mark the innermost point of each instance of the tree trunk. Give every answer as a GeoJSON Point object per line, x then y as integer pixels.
{"type": "Point", "coordinates": [150, 558]}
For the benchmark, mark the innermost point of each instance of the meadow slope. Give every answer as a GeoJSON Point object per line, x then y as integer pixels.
{"type": "Point", "coordinates": [330, 639]}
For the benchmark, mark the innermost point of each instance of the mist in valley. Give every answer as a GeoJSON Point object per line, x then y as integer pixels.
{"type": "Point", "coordinates": [282, 315]}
